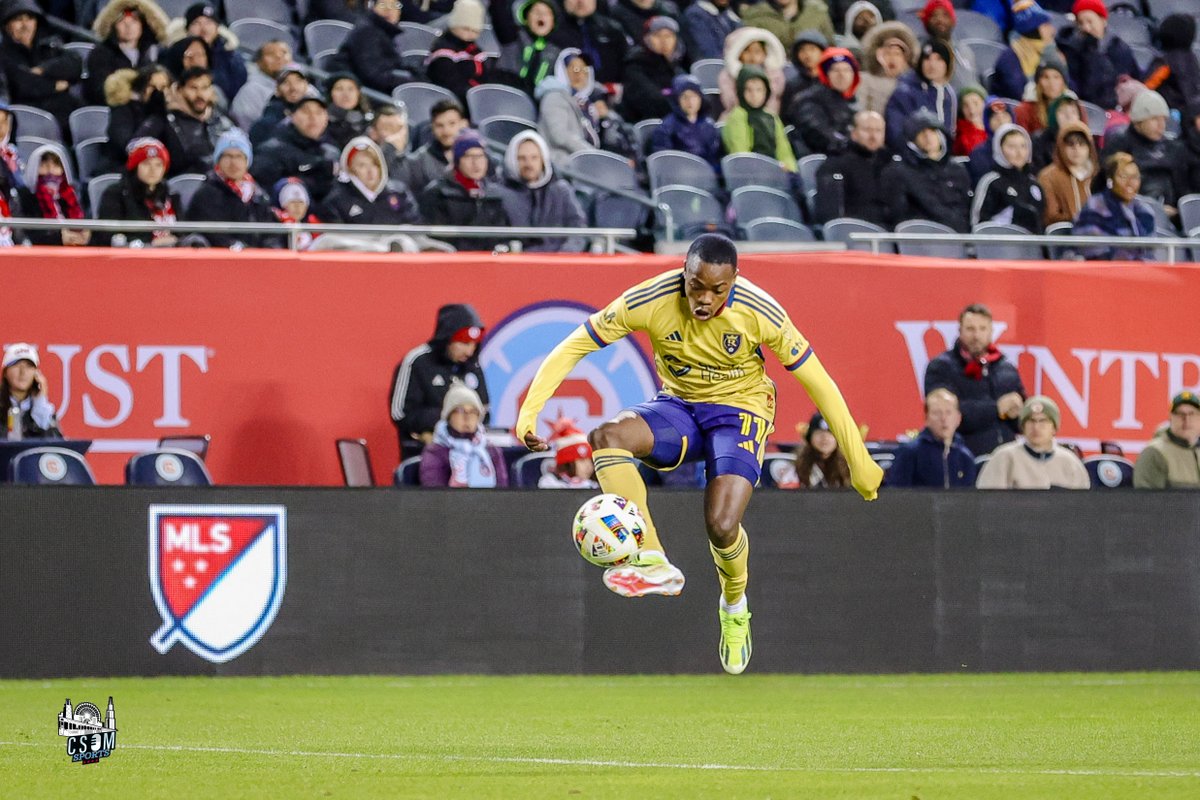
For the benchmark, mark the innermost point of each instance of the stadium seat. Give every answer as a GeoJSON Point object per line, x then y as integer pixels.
{"type": "Point", "coordinates": [50, 466]}
{"type": "Point", "coordinates": [1058, 229]}
{"type": "Point", "coordinates": [36, 123]}
{"type": "Point", "coordinates": [96, 188]}
{"type": "Point", "coordinates": [494, 100]}
{"type": "Point", "coordinates": [693, 210]}
{"type": "Point", "coordinates": [273, 10]}
{"type": "Point", "coordinates": [254, 33]}
{"type": "Point", "coordinates": [604, 167]}
{"type": "Point", "coordinates": [777, 469]}
{"type": "Point", "coordinates": [415, 35]}
{"type": "Point", "coordinates": [1133, 30]}
{"type": "Point", "coordinates": [185, 186]}
{"type": "Point", "coordinates": [752, 169]}
{"type": "Point", "coordinates": [321, 59]}
{"type": "Point", "coordinates": [1161, 220]}
{"type": "Point", "coordinates": [1059, 19]}
{"type": "Point", "coordinates": [986, 53]}
{"type": "Point", "coordinates": [839, 230]}
{"type": "Point", "coordinates": [1165, 8]}
{"type": "Point", "coordinates": [529, 469]}
{"type": "Point", "coordinates": [175, 8]}
{"type": "Point", "coordinates": [807, 168]}
{"type": "Point", "coordinates": [643, 132]}
{"type": "Point", "coordinates": [83, 50]}
{"type": "Point", "coordinates": [1013, 252]}
{"type": "Point", "coordinates": [1143, 55]}
{"type": "Point", "coordinates": [675, 167]}
{"type": "Point", "coordinates": [1189, 214]}
{"type": "Point", "coordinates": [325, 34]}
{"type": "Point", "coordinates": [167, 467]}
{"type": "Point", "coordinates": [88, 122]}
{"type": "Point", "coordinates": [707, 70]}
{"type": "Point", "coordinates": [930, 249]}
{"type": "Point", "coordinates": [407, 472]}
{"type": "Point", "coordinates": [502, 129]}
{"type": "Point", "coordinates": [981, 460]}
{"type": "Point", "coordinates": [757, 202]}
{"type": "Point", "coordinates": [610, 170]}
{"type": "Point", "coordinates": [27, 144]}
{"type": "Point", "coordinates": [89, 157]}
{"type": "Point", "coordinates": [777, 229]}
{"type": "Point", "coordinates": [1097, 119]}
{"type": "Point", "coordinates": [419, 97]}
{"type": "Point", "coordinates": [197, 444]}
{"type": "Point", "coordinates": [973, 25]}
{"type": "Point", "coordinates": [356, 462]}
{"type": "Point", "coordinates": [1109, 471]}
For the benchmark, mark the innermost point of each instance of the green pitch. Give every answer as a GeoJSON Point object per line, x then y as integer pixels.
{"type": "Point", "coordinates": [756, 736]}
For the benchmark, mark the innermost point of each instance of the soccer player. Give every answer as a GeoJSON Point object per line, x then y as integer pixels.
{"type": "Point", "coordinates": [706, 324]}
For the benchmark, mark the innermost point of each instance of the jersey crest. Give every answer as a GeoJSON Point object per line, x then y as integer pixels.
{"type": "Point", "coordinates": [731, 342]}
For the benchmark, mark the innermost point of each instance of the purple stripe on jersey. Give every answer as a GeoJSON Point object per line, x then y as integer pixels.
{"type": "Point", "coordinates": [800, 361]}
{"type": "Point", "coordinates": [587, 325]}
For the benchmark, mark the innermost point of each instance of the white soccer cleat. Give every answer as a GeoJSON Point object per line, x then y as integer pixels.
{"type": "Point", "coordinates": [649, 572]}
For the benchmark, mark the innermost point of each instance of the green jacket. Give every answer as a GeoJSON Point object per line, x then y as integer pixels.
{"type": "Point", "coordinates": [814, 14]}
{"type": "Point", "coordinates": [1167, 463]}
{"type": "Point", "coordinates": [738, 138]}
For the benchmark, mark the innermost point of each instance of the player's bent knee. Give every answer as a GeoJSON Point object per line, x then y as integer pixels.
{"type": "Point", "coordinates": [722, 528]}
{"type": "Point", "coordinates": [606, 435]}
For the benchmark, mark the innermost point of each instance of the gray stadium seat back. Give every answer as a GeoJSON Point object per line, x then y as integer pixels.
{"type": "Point", "coordinates": [27, 144]}
{"type": "Point", "coordinates": [1189, 214]}
{"type": "Point", "coordinates": [1097, 119]}
{"type": "Point", "coordinates": [757, 202]}
{"type": "Point", "coordinates": [839, 230]}
{"type": "Point", "coordinates": [495, 100]}
{"type": "Point", "coordinates": [605, 167]}
{"type": "Point", "coordinates": [273, 10]}
{"type": "Point", "coordinates": [96, 188]}
{"type": "Point", "coordinates": [1164, 8]}
{"type": "Point", "coordinates": [88, 122]}
{"type": "Point", "coordinates": [174, 8]}
{"type": "Point", "coordinates": [752, 169]}
{"type": "Point", "coordinates": [321, 59]}
{"type": "Point", "coordinates": [777, 229]}
{"type": "Point", "coordinates": [35, 122]}
{"type": "Point", "coordinates": [1015, 252]}
{"type": "Point", "coordinates": [89, 157]}
{"type": "Point", "coordinates": [644, 133]}
{"type": "Point", "coordinates": [1143, 55]}
{"type": "Point", "coordinates": [414, 35]}
{"type": "Point", "coordinates": [355, 461]}
{"type": "Point", "coordinates": [418, 98]}
{"type": "Point", "coordinates": [807, 168]}
{"type": "Point", "coordinates": [929, 249]}
{"type": "Point", "coordinates": [675, 167]}
{"type": "Point", "coordinates": [325, 34]}
{"type": "Point", "coordinates": [986, 53]}
{"type": "Point", "coordinates": [407, 473]}
{"type": "Point", "coordinates": [83, 50]}
{"type": "Point", "coordinates": [254, 33]}
{"type": "Point", "coordinates": [185, 186]}
{"type": "Point", "coordinates": [1134, 31]}
{"type": "Point", "coordinates": [691, 208]}
{"type": "Point", "coordinates": [1058, 229]}
{"type": "Point", "coordinates": [502, 129]}
{"type": "Point", "coordinates": [706, 71]}
{"type": "Point", "coordinates": [614, 211]}
{"type": "Point", "coordinates": [973, 25]}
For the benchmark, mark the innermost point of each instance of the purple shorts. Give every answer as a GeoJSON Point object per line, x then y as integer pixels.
{"type": "Point", "coordinates": [731, 440]}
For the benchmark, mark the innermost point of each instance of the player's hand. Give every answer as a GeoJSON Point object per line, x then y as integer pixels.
{"type": "Point", "coordinates": [536, 443]}
{"type": "Point", "coordinates": [866, 480]}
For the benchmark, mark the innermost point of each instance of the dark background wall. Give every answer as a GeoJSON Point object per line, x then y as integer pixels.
{"type": "Point", "coordinates": [387, 581]}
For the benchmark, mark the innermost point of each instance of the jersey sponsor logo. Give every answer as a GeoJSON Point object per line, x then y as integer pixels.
{"type": "Point", "coordinates": [731, 342]}
{"type": "Point", "coordinates": [675, 366]}
{"type": "Point", "coordinates": [601, 385]}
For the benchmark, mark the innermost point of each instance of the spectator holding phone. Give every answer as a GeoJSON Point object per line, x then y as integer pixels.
{"type": "Point", "coordinates": [29, 414]}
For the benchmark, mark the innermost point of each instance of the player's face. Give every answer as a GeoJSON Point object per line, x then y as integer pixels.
{"type": "Point", "coordinates": [1039, 431]}
{"type": "Point", "coordinates": [707, 287]}
{"type": "Point", "coordinates": [975, 333]}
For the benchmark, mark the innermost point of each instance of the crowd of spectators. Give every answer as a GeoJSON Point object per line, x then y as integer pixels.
{"type": "Point", "coordinates": [972, 134]}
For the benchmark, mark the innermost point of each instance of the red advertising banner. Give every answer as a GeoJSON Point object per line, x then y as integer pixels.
{"type": "Point", "coordinates": [276, 355]}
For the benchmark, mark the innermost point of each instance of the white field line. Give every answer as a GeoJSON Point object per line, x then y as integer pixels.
{"type": "Point", "coordinates": [581, 762]}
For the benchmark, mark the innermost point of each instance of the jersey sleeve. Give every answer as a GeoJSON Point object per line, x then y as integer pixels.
{"type": "Point", "coordinates": [610, 323]}
{"type": "Point", "coordinates": [788, 344]}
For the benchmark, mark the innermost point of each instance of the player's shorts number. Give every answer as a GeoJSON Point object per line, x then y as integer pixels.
{"type": "Point", "coordinates": [755, 429]}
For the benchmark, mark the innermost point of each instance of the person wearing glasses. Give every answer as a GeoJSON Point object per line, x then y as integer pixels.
{"type": "Point", "coordinates": [465, 195]}
{"type": "Point", "coordinates": [1116, 211]}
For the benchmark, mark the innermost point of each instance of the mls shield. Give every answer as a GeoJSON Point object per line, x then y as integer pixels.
{"type": "Point", "coordinates": [217, 574]}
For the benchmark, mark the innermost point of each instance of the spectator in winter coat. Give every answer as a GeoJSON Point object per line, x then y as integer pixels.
{"type": "Point", "coordinates": [995, 116]}
{"type": "Point", "coordinates": [291, 86]}
{"type": "Point", "coordinates": [888, 53]}
{"type": "Point", "coordinates": [824, 114]}
{"type": "Point", "coordinates": [595, 122]}
{"type": "Point", "coordinates": [350, 112]}
{"type": "Point", "coordinates": [850, 183]}
{"type": "Point", "coordinates": [193, 52]}
{"type": "Point", "coordinates": [649, 70]}
{"type": "Point", "coordinates": [251, 99]}
{"type": "Point", "coordinates": [25, 393]}
{"type": "Point", "coordinates": [132, 97]}
{"type": "Point", "coordinates": [534, 197]}
{"type": "Point", "coordinates": [142, 195]}
{"type": "Point", "coordinates": [987, 385]}
{"type": "Point", "coordinates": [430, 161]}
{"type": "Point", "coordinates": [1191, 143]}
{"type": "Point", "coordinates": [459, 454]}
{"type": "Point", "coordinates": [1033, 32]}
{"type": "Point", "coordinates": [688, 127]}
{"type": "Point", "coordinates": [786, 18]}
{"type": "Point", "coordinates": [389, 130]}
{"type": "Point", "coordinates": [300, 149]}
{"type": "Point", "coordinates": [38, 70]}
{"type": "Point", "coordinates": [465, 195]}
{"type": "Point", "coordinates": [926, 183]}
{"type": "Point", "coordinates": [12, 179]}
{"type": "Point", "coordinates": [596, 35]}
{"type": "Point", "coordinates": [1116, 211]}
{"type": "Point", "coordinates": [806, 55]}
{"type": "Point", "coordinates": [938, 457]}
{"type": "Point", "coordinates": [1063, 110]}
{"type": "Point", "coordinates": [1095, 55]}
{"type": "Point", "coordinates": [1038, 462]}
{"type": "Point", "coordinates": [750, 128]}
{"type": "Point", "coordinates": [928, 87]}
{"type": "Point", "coordinates": [971, 131]}
{"type": "Point", "coordinates": [293, 205]}
{"type": "Point", "coordinates": [573, 467]}
{"type": "Point", "coordinates": [860, 18]}
{"type": "Point", "coordinates": [761, 49]}
{"type": "Point", "coordinates": [1176, 73]}
{"type": "Point", "coordinates": [705, 27]}
{"type": "Point", "coordinates": [1171, 460]}
{"type": "Point", "coordinates": [561, 121]}
{"type": "Point", "coordinates": [51, 194]}
{"type": "Point", "coordinates": [424, 376]}
{"type": "Point", "coordinates": [456, 61]}
{"type": "Point", "coordinates": [1158, 158]}
{"type": "Point", "coordinates": [1010, 194]}
{"type": "Point", "coordinates": [230, 194]}
{"type": "Point", "coordinates": [839, 13]}
{"type": "Point", "coordinates": [1067, 182]}
{"type": "Point", "coordinates": [633, 15]}
{"type": "Point", "coordinates": [371, 51]}
{"type": "Point", "coordinates": [189, 125]}
{"type": "Point", "coordinates": [364, 194]}
{"type": "Point", "coordinates": [228, 69]}
{"type": "Point", "coordinates": [940, 19]}
{"type": "Point", "coordinates": [1049, 84]}
{"type": "Point", "coordinates": [527, 54]}
{"type": "Point", "coordinates": [131, 32]}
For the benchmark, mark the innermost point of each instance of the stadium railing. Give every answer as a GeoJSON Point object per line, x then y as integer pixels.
{"type": "Point", "coordinates": [1171, 245]}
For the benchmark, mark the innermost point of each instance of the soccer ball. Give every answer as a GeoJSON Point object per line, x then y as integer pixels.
{"type": "Point", "coordinates": [608, 530]}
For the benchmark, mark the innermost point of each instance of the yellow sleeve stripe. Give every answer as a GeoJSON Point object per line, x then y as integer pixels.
{"type": "Point", "coordinates": [738, 295]}
{"type": "Point", "coordinates": [633, 295]}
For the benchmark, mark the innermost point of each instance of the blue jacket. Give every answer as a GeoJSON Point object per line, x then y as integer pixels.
{"type": "Point", "coordinates": [913, 92]}
{"type": "Point", "coordinates": [925, 461]}
{"type": "Point", "coordinates": [998, 10]}
{"type": "Point", "coordinates": [1095, 65]}
{"type": "Point", "coordinates": [1008, 79]}
{"type": "Point", "coordinates": [700, 138]}
{"type": "Point", "coordinates": [1104, 215]}
{"type": "Point", "coordinates": [704, 28]}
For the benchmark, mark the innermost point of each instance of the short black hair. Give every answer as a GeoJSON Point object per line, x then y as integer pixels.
{"type": "Point", "coordinates": [713, 248]}
{"type": "Point", "coordinates": [146, 72]}
{"type": "Point", "coordinates": [442, 106]}
{"type": "Point", "coordinates": [975, 308]}
{"type": "Point", "coordinates": [191, 73]}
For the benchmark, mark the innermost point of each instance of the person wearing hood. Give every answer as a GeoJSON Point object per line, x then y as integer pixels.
{"type": "Point", "coordinates": [301, 149]}
{"type": "Point", "coordinates": [759, 48]}
{"type": "Point", "coordinates": [1049, 84]}
{"type": "Point", "coordinates": [751, 128]}
{"type": "Point", "coordinates": [1116, 211]}
{"type": "Point", "coordinates": [705, 26]}
{"type": "Point", "coordinates": [1175, 73]}
{"type": "Point", "coordinates": [928, 87]}
{"type": "Point", "coordinates": [824, 114]}
{"type": "Point", "coordinates": [595, 34]}
{"type": "Point", "coordinates": [888, 52]}
{"type": "Point", "coordinates": [51, 194]}
{"type": "Point", "coordinates": [786, 18]}
{"type": "Point", "coordinates": [995, 116]}
{"type": "Point", "coordinates": [1171, 460]}
{"type": "Point", "coordinates": [456, 61]}
{"type": "Point", "coordinates": [364, 194]}
{"type": "Point", "coordinates": [1063, 110]}
{"type": "Point", "coordinates": [595, 123]}
{"type": "Point", "coordinates": [12, 179]}
{"type": "Point", "coordinates": [142, 195]}
{"type": "Point", "coordinates": [350, 112]}
{"type": "Point", "coordinates": [1033, 33]}
{"type": "Point", "coordinates": [927, 183]}
{"type": "Point", "coordinates": [534, 197]}
{"type": "Point", "coordinates": [1010, 194]}
{"type": "Point", "coordinates": [458, 454]}
{"type": "Point", "coordinates": [1067, 181]}
{"type": "Point", "coordinates": [291, 86]}
{"type": "Point", "coordinates": [940, 20]}
{"type": "Point", "coordinates": [131, 32]}
{"type": "Point", "coordinates": [424, 376]}
{"type": "Point", "coordinates": [1161, 160]}
{"type": "Point", "coordinates": [632, 15]}
{"type": "Point", "coordinates": [805, 71]}
{"type": "Point", "coordinates": [843, 20]}
{"type": "Point", "coordinates": [371, 51]}
{"type": "Point", "coordinates": [465, 195]}
{"type": "Point", "coordinates": [1095, 55]}
{"type": "Point", "coordinates": [269, 60]}
{"type": "Point", "coordinates": [688, 127]}
{"type": "Point", "coordinates": [38, 70]}
{"type": "Point", "coordinates": [189, 124]}
{"type": "Point", "coordinates": [231, 194]}
{"type": "Point", "coordinates": [527, 54]}
{"type": "Point", "coordinates": [649, 71]}
{"type": "Point", "coordinates": [851, 183]}
{"type": "Point", "coordinates": [971, 131]}
{"type": "Point", "coordinates": [131, 97]}
{"type": "Point", "coordinates": [228, 68]}
{"type": "Point", "coordinates": [860, 17]}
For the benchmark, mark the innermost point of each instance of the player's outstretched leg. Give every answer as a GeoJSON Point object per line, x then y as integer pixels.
{"type": "Point", "coordinates": [724, 503]}
{"type": "Point", "coordinates": [613, 447]}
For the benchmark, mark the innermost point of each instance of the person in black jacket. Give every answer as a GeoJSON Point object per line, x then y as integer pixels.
{"type": "Point", "coordinates": [39, 71]}
{"type": "Point", "coordinates": [364, 193]}
{"type": "Point", "coordinates": [634, 15]}
{"type": "Point", "coordinates": [228, 68]}
{"type": "Point", "coordinates": [131, 32]}
{"type": "Point", "coordinates": [301, 150]}
{"type": "Point", "coordinates": [649, 70]}
{"type": "Point", "coordinates": [823, 114]}
{"type": "Point", "coordinates": [465, 195]}
{"type": "Point", "coordinates": [132, 96]}
{"type": "Point", "coordinates": [291, 86]}
{"type": "Point", "coordinates": [926, 183]}
{"type": "Point", "coordinates": [190, 125]}
{"type": "Point", "coordinates": [1162, 160]}
{"type": "Point", "coordinates": [987, 385]}
{"type": "Point", "coordinates": [1095, 56]}
{"type": "Point", "coordinates": [142, 195]}
{"type": "Point", "coordinates": [370, 51]}
{"type": "Point", "coordinates": [423, 377]}
{"type": "Point", "coordinates": [596, 35]}
{"type": "Point", "coordinates": [230, 194]}
{"type": "Point", "coordinates": [850, 183]}
{"type": "Point", "coordinates": [1010, 194]}
{"type": "Point", "coordinates": [456, 61]}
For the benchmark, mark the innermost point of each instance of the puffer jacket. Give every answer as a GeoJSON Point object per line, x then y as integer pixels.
{"type": "Point", "coordinates": [914, 92]}
{"type": "Point", "coordinates": [877, 88]}
{"type": "Point", "coordinates": [738, 41]}
{"type": "Point", "coordinates": [822, 115]}
{"type": "Point", "coordinates": [936, 189]}
{"type": "Point", "coordinates": [447, 202]}
{"type": "Point", "coordinates": [700, 138]}
{"type": "Point", "coordinates": [107, 57]}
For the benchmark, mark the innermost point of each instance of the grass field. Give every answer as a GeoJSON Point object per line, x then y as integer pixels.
{"type": "Point", "coordinates": [755, 736]}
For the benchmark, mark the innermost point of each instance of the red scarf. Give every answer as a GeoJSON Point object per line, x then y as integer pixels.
{"type": "Point", "coordinates": [55, 195]}
{"type": "Point", "coordinates": [976, 367]}
{"type": "Point", "coordinates": [161, 212]}
{"type": "Point", "coordinates": [243, 188]}
{"type": "Point", "coordinates": [472, 186]}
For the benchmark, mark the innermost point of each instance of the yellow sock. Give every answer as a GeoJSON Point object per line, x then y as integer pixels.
{"type": "Point", "coordinates": [732, 568]}
{"type": "Point", "coordinates": [617, 473]}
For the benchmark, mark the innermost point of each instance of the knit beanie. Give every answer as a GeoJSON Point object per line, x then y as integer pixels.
{"type": "Point", "coordinates": [467, 139]}
{"type": "Point", "coordinates": [570, 443]}
{"type": "Point", "coordinates": [466, 14]}
{"type": "Point", "coordinates": [1043, 405]}
{"type": "Point", "coordinates": [234, 139]}
{"type": "Point", "coordinates": [934, 5]}
{"type": "Point", "coordinates": [656, 24]}
{"type": "Point", "coordinates": [290, 189]}
{"type": "Point", "coordinates": [146, 147]}
{"type": "Point", "coordinates": [459, 395]}
{"type": "Point", "coordinates": [1096, 6]}
{"type": "Point", "coordinates": [1051, 59]}
{"type": "Point", "coordinates": [936, 46]}
{"type": "Point", "coordinates": [1028, 16]}
{"type": "Point", "coordinates": [973, 88]}
{"type": "Point", "coordinates": [1147, 105]}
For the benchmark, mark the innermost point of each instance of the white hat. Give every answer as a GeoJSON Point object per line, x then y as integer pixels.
{"type": "Point", "coordinates": [1147, 105]}
{"type": "Point", "coordinates": [20, 352]}
{"type": "Point", "coordinates": [466, 14]}
{"type": "Point", "coordinates": [459, 395]}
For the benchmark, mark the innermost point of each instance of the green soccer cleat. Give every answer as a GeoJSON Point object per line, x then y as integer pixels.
{"type": "Point", "coordinates": [735, 641]}
{"type": "Point", "coordinates": [648, 572]}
